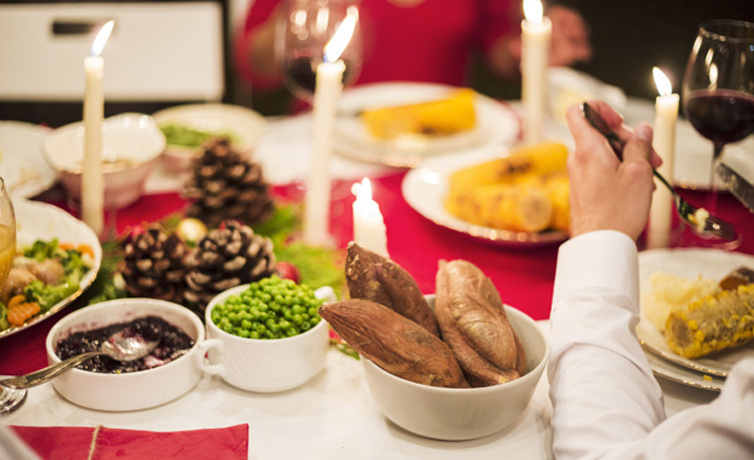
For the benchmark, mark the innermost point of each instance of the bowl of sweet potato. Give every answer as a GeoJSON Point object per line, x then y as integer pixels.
{"type": "Point", "coordinates": [456, 365]}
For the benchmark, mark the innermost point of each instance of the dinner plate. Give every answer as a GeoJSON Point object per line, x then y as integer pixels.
{"type": "Point", "coordinates": [41, 221]}
{"type": "Point", "coordinates": [497, 123]}
{"type": "Point", "coordinates": [424, 189]}
{"type": "Point", "coordinates": [683, 375]}
{"type": "Point", "coordinates": [22, 166]}
{"type": "Point", "coordinates": [689, 264]}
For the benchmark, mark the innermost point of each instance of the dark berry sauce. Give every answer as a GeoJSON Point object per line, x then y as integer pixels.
{"type": "Point", "coordinates": [174, 344]}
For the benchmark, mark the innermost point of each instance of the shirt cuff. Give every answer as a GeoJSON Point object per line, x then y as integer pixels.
{"type": "Point", "coordinates": [601, 259]}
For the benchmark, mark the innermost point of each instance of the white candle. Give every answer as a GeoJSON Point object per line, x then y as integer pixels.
{"type": "Point", "coordinates": [666, 117]}
{"type": "Point", "coordinates": [535, 52]}
{"type": "Point", "coordinates": [329, 85]}
{"type": "Point", "coordinates": [92, 181]}
{"type": "Point", "coordinates": [368, 225]}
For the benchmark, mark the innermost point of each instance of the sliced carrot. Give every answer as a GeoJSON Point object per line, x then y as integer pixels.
{"type": "Point", "coordinates": [18, 315]}
{"type": "Point", "coordinates": [65, 246]}
{"type": "Point", "coordinates": [16, 300]}
{"type": "Point", "coordinates": [86, 249]}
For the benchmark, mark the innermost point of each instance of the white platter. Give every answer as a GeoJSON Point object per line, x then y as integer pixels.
{"type": "Point", "coordinates": [22, 166]}
{"type": "Point", "coordinates": [683, 375]}
{"type": "Point", "coordinates": [689, 264]}
{"type": "Point", "coordinates": [41, 221]}
{"type": "Point", "coordinates": [497, 123]}
{"type": "Point", "coordinates": [425, 187]}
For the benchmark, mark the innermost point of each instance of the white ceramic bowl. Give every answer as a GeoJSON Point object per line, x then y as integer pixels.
{"type": "Point", "coordinates": [244, 125]}
{"type": "Point", "coordinates": [456, 414]}
{"type": "Point", "coordinates": [132, 390]}
{"type": "Point", "coordinates": [131, 148]}
{"type": "Point", "coordinates": [263, 365]}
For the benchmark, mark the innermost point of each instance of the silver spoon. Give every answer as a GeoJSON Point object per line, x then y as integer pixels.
{"type": "Point", "coordinates": [128, 344]}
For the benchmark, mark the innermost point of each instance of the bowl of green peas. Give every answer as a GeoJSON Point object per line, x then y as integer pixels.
{"type": "Point", "coordinates": [266, 336]}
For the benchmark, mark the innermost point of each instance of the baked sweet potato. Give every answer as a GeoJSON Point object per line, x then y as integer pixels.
{"type": "Point", "coordinates": [394, 342]}
{"type": "Point", "coordinates": [473, 323]}
{"type": "Point", "coordinates": [371, 276]}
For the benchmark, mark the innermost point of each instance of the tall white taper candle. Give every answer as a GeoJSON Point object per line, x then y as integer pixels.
{"type": "Point", "coordinates": [666, 117]}
{"type": "Point", "coordinates": [535, 52]}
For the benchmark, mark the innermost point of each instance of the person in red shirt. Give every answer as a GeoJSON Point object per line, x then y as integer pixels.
{"type": "Point", "coordinates": [420, 40]}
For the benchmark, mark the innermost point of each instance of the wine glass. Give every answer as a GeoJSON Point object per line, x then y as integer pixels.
{"type": "Point", "coordinates": [10, 399]}
{"type": "Point", "coordinates": [303, 30]}
{"type": "Point", "coordinates": [718, 89]}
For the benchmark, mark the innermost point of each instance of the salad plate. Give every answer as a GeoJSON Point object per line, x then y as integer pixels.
{"type": "Point", "coordinates": [689, 264]}
{"type": "Point", "coordinates": [424, 188]}
{"type": "Point", "coordinates": [22, 165]}
{"type": "Point", "coordinates": [41, 221]}
{"type": "Point", "coordinates": [496, 124]}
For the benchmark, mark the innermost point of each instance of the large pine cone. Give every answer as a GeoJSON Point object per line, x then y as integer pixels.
{"type": "Point", "coordinates": [227, 257]}
{"type": "Point", "coordinates": [153, 264]}
{"type": "Point", "coordinates": [226, 185]}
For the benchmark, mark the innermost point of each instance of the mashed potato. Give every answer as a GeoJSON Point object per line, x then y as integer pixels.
{"type": "Point", "coordinates": [669, 291]}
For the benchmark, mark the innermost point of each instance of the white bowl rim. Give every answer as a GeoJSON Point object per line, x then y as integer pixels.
{"type": "Point", "coordinates": [523, 380]}
{"type": "Point", "coordinates": [222, 296]}
{"type": "Point", "coordinates": [63, 325]}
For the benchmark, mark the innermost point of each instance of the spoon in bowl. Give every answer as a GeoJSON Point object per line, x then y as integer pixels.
{"type": "Point", "coordinates": [127, 344]}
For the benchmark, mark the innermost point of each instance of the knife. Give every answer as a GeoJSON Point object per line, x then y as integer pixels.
{"type": "Point", "coordinates": [737, 185]}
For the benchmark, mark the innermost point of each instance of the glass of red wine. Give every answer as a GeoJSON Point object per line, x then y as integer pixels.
{"type": "Point", "coordinates": [718, 89]}
{"type": "Point", "coordinates": [304, 29]}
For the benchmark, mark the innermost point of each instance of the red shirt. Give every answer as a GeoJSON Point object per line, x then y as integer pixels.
{"type": "Point", "coordinates": [429, 42]}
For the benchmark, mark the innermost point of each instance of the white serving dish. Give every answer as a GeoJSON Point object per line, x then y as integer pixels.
{"type": "Point", "coordinates": [455, 414]}
{"type": "Point", "coordinates": [132, 390]}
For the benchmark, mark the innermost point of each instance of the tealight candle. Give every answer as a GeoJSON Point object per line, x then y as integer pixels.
{"type": "Point", "coordinates": [329, 84]}
{"type": "Point", "coordinates": [368, 225]}
{"type": "Point", "coordinates": [535, 52]}
{"type": "Point", "coordinates": [666, 117]}
{"type": "Point", "coordinates": [92, 180]}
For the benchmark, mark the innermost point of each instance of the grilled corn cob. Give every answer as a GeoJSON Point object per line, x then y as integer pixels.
{"type": "Point", "coordinates": [443, 116]}
{"type": "Point", "coordinates": [714, 323]}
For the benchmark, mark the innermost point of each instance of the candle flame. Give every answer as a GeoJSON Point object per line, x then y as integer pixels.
{"type": "Point", "coordinates": [99, 41]}
{"type": "Point", "coordinates": [363, 190]}
{"type": "Point", "coordinates": [342, 35]}
{"type": "Point", "coordinates": [533, 10]}
{"type": "Point", "coordinates": [662, 82]}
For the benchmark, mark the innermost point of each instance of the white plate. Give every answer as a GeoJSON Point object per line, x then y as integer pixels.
{"type": "Point", "coordinates": [246, 125]}
{"type": "Point", "coordinates": [41, 221]}
{"type": "Point", "coordinates": [22, 166]}
{"type": "Point", "coordinates": [496, 124]}
{"type": "Point", "coordinates": [424, 189]}
{"type": "Point", "coordinates": [684, 375]}
{"type": "Point", "coordinates": [689, 264]}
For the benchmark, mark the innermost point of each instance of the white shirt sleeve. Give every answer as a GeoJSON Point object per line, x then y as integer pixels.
{"type": "Point", "coordinates": [606, 402]}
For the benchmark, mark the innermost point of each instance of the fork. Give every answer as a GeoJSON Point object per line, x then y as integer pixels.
{"type": "Point", "coordinates": [699, 219]}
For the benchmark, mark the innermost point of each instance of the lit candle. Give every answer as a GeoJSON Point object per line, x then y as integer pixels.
{"type": "Point", "coordinates": [368, 225]}
{"type": "Point", "coordinates": [92, 181]}
{"type": "Point", "coordinates": [535, 52]}
{"type": "Point", "coordinates": [666, 116]}
{"type": "Point", "coordinates": [326, 93]}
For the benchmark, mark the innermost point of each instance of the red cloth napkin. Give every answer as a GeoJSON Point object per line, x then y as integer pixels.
{"type": "Point", "coordinates": [64, 443]}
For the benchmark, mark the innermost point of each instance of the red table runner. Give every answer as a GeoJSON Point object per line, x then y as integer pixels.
{"type": "Point", "coordinates": [524, 276]}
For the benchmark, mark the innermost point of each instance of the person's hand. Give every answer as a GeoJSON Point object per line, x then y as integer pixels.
{"type": "Point", "coordinates": [607, 194]}
{"type": "Point", "coordinates": [570, 37]}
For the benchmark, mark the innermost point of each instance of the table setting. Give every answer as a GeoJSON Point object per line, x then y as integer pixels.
{"type": "Point", "coordinates": [239, 240]}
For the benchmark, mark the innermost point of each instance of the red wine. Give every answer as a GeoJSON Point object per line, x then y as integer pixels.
{"type": "Point", "coordinates": [300, 74]}
{"type": "Point", "coordinates": [722, 116]}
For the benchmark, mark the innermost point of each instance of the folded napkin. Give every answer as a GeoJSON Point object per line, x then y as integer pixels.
{"type": "Point", "coordinates": [102, 443]}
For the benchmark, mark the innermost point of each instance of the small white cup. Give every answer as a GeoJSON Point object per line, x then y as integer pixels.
{"type": "Point", "coordinates": [263, 365]}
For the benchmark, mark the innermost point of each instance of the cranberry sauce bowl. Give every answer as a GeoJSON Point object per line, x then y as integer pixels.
{"type": "Point", "coordinates": [168, 373]}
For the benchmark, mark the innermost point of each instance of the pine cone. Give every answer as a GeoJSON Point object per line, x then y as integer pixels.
{"type": "Point", "coordinates": [228, 256]}
{"type": "Point", "coordinates": [153, 264]}
{"type": "Point", "coordinates": [227, 185]}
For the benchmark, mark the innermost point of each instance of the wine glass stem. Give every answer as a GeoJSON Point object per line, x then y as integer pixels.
{"type": "Point", "coordinates": [713, 183]}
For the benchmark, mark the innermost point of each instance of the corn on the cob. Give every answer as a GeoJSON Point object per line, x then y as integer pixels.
{"type": "Point", "coordinates": [559, 188]}
{"type": "Point", "coordinates": [724, 320]}
{"type": "Point", "coordinates": [522, 164]}
{"type": "Point", "coordinates": [449, 115]}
